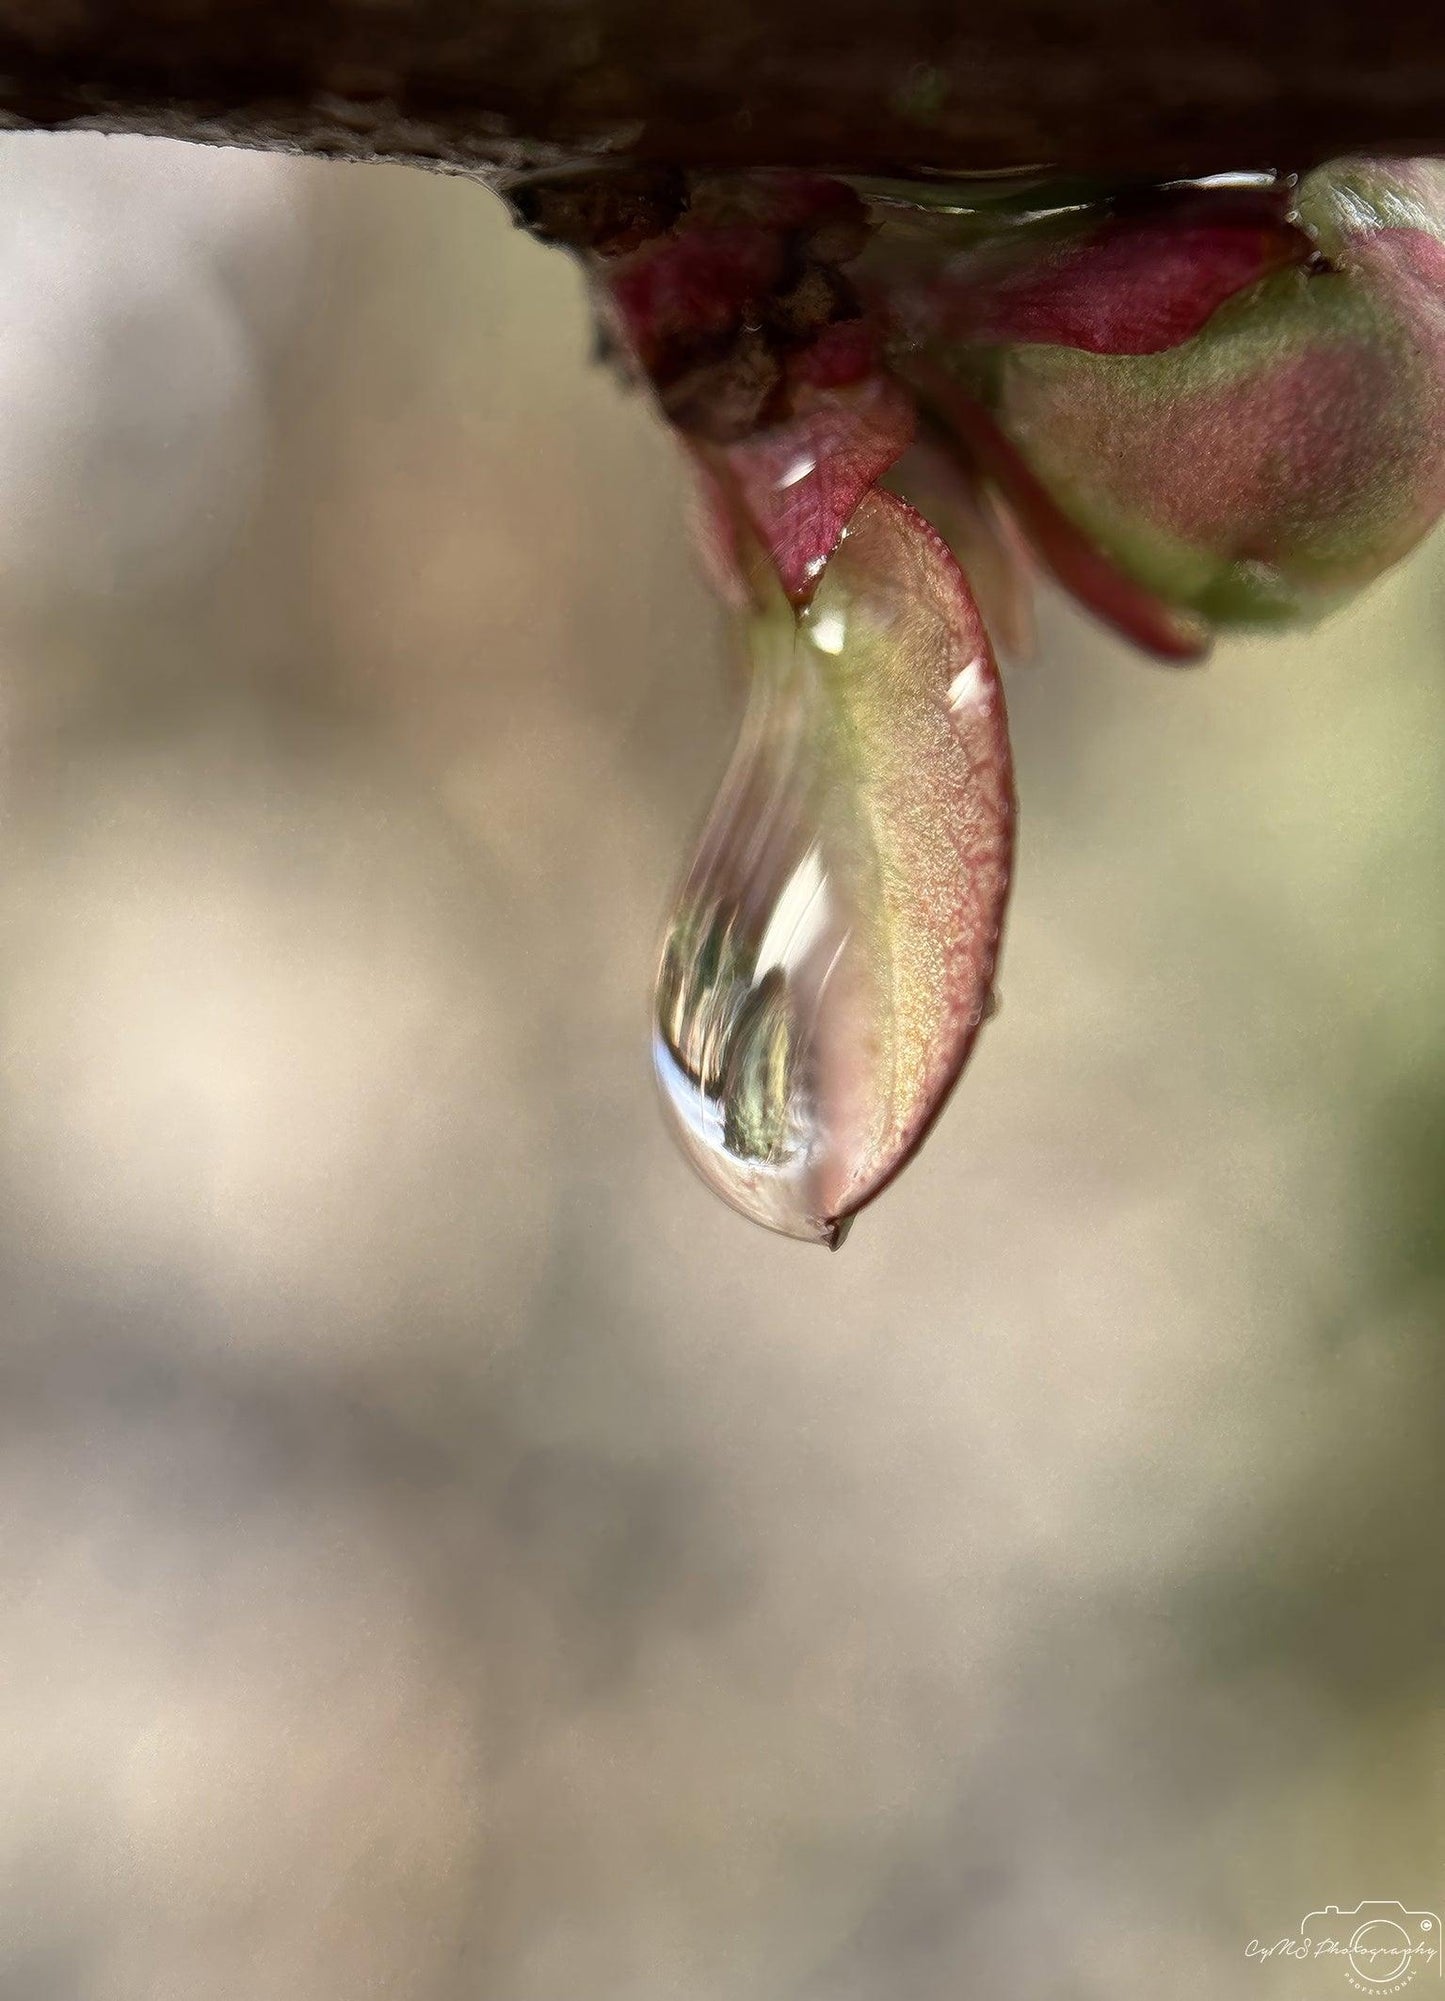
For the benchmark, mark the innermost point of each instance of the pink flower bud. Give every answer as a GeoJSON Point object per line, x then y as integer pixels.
{"type": "Point", "coordinates": [1293, 448]}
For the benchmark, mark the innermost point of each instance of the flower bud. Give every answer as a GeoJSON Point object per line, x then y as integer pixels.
{"type": "Point", "coordinates": [1292, 449]}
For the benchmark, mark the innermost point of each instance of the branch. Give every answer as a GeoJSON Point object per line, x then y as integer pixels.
{"type": "Point", "coordinates": [490, 86]}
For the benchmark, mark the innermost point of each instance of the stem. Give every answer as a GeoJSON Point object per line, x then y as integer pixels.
{"type": "Point", "coordinates": [491, 86]}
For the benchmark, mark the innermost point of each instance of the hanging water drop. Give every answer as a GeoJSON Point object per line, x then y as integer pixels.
{"type": "Point", "coordinates": [829, 960]}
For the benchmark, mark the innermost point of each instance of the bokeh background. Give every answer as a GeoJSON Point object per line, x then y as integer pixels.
{"type": "Point", "coordinates": [444, 1554]}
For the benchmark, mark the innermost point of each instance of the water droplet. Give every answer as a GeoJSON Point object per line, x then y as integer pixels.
{"type": "Point", "coordinates": [828, 631]}
{"type": "Point", "coordinates": [968, 687]}
{"type": "Point", "coordinates": [801, 468]}
{"type": "Point", "coordinates": [830, 956]}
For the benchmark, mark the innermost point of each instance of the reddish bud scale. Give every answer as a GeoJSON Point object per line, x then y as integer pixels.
{"type": "Point", "coordinates": [799, 482]}
{"type": "Point", "coordinates": [1133, 288]}
{"type": "Point", "coordinates": [693, 284]}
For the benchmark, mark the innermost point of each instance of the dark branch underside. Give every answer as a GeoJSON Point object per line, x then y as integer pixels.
{"type": "Point", "coordinates": [484, 86]}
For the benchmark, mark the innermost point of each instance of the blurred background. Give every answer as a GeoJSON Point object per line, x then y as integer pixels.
{"type": "Point", "coordinates": [444, 1553]}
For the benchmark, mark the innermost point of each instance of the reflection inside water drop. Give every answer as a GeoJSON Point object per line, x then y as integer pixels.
{"type": "Point", "coordinates": [760, 939]}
